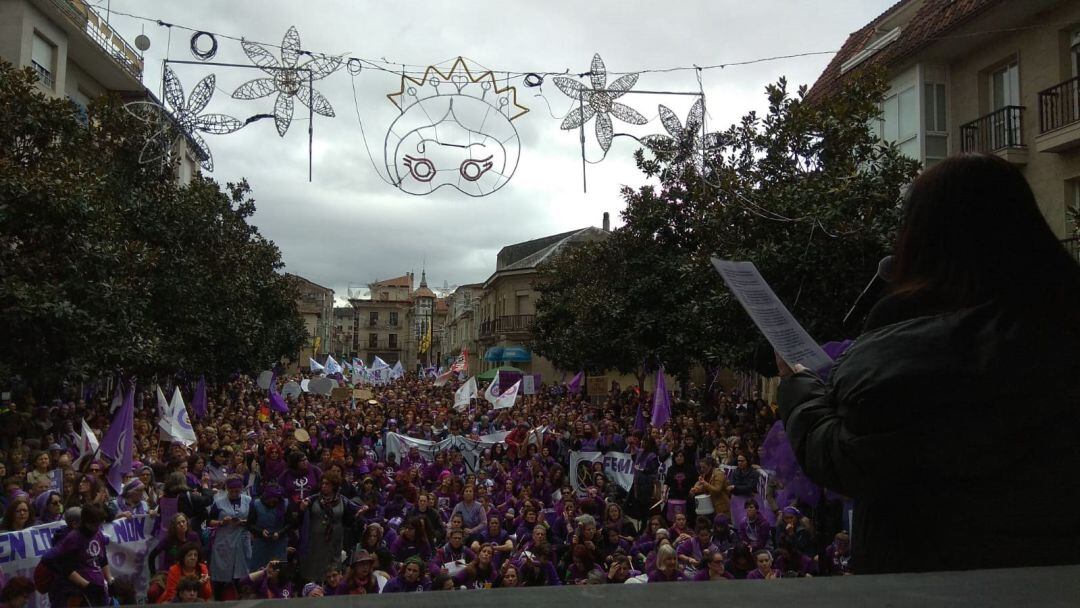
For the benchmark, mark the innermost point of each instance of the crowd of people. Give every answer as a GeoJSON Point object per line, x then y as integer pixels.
{"type": "Point", "coordinates": [312, 502]}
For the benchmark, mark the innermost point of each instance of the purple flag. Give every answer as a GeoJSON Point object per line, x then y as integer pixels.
{"type": "Point", "coordinates": [639, 419]}
{"type": "Point", "coordinates": [198, 404]}
{"type": "Point", "coordinates": [574, 385]}
{"type": "Point", "coordinates": [277, 402]}
{"type": "Point", "coordinates": [834, 350]}
{"type": "Point", "coordinates": [778, 457]}
{"type": "Point", "coordinates": [118, 443]}
{"type": "Point", "coordinates": [661, 404]}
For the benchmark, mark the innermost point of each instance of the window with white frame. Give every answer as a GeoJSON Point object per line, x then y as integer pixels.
{"type": "Point", "coordinates": [935, 112]}
{"type": "Point", "coordinates": [899, 123]}
{"type": "Point", "coordinates": [1004, 92]}
{"type": "Point", "coordinates": [43, 60]}
{"type": "Point", "coordinates": [1005, 86]}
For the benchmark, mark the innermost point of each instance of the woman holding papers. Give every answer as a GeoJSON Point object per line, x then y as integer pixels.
{"type": "Point", "coordinates": [971, 362]}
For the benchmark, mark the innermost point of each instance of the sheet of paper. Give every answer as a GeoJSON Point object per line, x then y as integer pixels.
{"type": "Point", "coordinates": [770, 315]}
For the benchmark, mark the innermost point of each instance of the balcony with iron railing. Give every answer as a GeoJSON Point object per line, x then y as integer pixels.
{"type": "Point", "coordinates": [999, 132]}
{"type": "Point", "coordinates": [379, 324]}
{"type": "Point", "coordinates": [86, 18]}
{"type": "Point", "coordinates": [1059, 117]}
{"type": "Point", "coordinates": [507, 324]}
{"type": "Point", "coordinates": [382, 345]}
{"type": "Point", "coordinates": [45, 76]}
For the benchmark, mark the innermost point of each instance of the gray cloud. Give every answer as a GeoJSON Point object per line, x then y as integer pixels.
{"type": "Point", "coordinates": [348, 226]}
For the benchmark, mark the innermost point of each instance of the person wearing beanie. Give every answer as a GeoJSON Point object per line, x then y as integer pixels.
{"type": "Point", "coordinates": [230, 550]}
{"type": "Point", "coordinates": [131, 502]}
{"type": "Point", "coordinates": [269, 526]}
{"type": "Point", "coordinates": [49, 507]}
{"type": "Point", "coordinates": [792, 529]}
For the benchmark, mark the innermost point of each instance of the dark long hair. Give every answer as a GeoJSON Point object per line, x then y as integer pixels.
{"type": "Point", "coordinates": [972, 233]}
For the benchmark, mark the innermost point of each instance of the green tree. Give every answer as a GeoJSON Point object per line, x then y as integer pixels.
{"type": "Point", "coordinates": [806, 192]}
{"type": "Point", "coordinates": [106, 263]}
{"type": "Point", "coordinates": [580, 312]}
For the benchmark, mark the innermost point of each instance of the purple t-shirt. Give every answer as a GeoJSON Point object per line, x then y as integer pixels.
{"type": "Point", "coordinates": [80, 553]}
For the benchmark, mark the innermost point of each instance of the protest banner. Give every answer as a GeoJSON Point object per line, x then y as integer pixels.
{"type": "Point", "coordinates": [399, 445]}
{"type": "Point", "coordinates": [618, 467]}
{"type": "Point", "coordinates": [130, 541]}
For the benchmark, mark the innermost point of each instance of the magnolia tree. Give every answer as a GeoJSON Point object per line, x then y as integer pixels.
{"type": "Point", "coordinates": [806, 191]}
{"type": "Point", "coordinates": [107, 263]}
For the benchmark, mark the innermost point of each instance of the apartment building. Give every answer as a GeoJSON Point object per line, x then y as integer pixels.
{"type": "Point", "coordinates": [459, 331]}
{"type": "Point", "coordinates": [316, 308]}
{"type": "Point", "coordinates": [381, 321]}
{"type": "Point", "coordinates": [79, 56]}
{"type": "Point", "coordinates": [507, 306]}
{"type": "Point", "coordinates": [343, 339]}
{"type": "Point", "coordinates": [991, 76]}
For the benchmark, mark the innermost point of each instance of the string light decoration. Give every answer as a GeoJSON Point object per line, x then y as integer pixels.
{"type": "Point", "coordinates": [676, 130]}
{"type": "Point", "coordinates": [595, 99]}
{"type": "Point", "coordinates": [187, 119]}
{"type": "Point", "coordinates": [599, 102]}
{"type": "Point", "coordinates": [455, 129]}
{"type": "Point", "coordinates": [198, 52]}
{"type": "Point", "coordinates": [288, 78]}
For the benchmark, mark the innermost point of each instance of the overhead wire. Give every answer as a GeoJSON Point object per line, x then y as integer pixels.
{"type": "Point", "coordinates": [404, 69]}
{"type": "Point", "coordinates": [385, 65]}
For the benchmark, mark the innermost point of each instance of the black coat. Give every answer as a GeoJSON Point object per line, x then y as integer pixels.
{"type": "Point", "coordinates": [955, 433]}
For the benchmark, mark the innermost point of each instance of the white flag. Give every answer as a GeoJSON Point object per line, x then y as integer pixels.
{"type": "Point", "coordinates": [464, 394]}
{"type": "Point", "coordinates": [88, 444]}
{"type": "Point", "coordinates": [491, 393]}
{"type": "Point", "coordinates": [379, 364]}
{"type": "Point", "coordinates": [398, 371]}
{"type": "Point", "coordinates": [182, 432]}
{"type": "Point", "coordinates": [508, 398]}
{"type": "Point", "coordinates": [164, 416]}
{"type": "Point", "coordinates": [162, 405]}
{"type": "Point", "coordinates": [443, 378]}
{"type": "Point", "coordinates": [315, 366]}
{"type": "Point", "coordinates": [332, 367]}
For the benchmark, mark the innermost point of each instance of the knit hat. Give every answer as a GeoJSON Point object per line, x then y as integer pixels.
{"type": "Point", "coordinates": [132, 486]}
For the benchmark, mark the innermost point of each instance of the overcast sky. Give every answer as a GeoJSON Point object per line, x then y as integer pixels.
{"type": "Point", "coordinates": [349, 227]}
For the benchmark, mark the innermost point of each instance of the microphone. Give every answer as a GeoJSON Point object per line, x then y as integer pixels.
{"type": "Point", "coordinates": [872, 292]}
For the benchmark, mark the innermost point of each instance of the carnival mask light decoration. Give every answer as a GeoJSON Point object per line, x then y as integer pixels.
{"type": "Point", "coordinates": [455, 129]}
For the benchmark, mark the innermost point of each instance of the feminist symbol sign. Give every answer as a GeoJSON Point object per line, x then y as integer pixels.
{"type": "Point", "coordinates": [454, 130]}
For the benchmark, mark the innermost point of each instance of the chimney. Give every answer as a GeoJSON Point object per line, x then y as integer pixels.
{"type": "Point", "coordinates": [607, 222]}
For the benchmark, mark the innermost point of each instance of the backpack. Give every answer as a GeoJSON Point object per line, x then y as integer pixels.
{"type": "Point", "coordinates": [44, 577]}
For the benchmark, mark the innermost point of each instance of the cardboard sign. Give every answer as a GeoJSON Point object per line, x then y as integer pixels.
{"type": "Point", "coordinates": [341, 393]}
{"type": "Point", "coordinates": [596, 386]}
{"type": "Point", "coordinates": [362, 394]}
